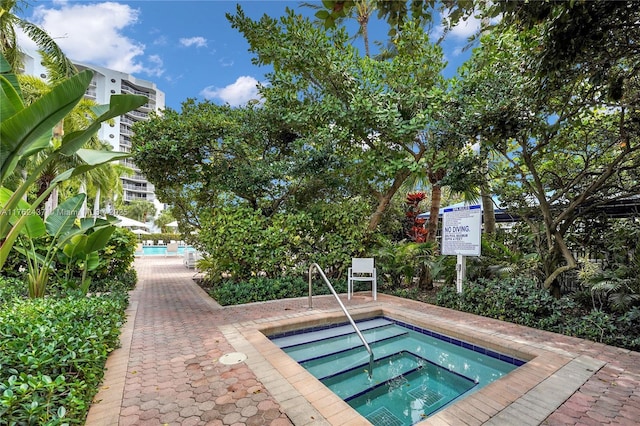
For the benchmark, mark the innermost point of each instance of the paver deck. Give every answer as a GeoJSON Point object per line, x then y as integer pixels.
{"type": "Point", "coordinates": [168, 370]}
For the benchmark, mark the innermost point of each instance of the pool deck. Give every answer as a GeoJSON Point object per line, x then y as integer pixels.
{"type": "Point", "coordinates": [168, 370]}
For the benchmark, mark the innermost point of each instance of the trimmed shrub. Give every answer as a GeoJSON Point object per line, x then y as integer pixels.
{"type": "Point", "coordinates": [260, 289]}
{"type": "Point", "coordinates": [11, 289]}
{"type": "Point", "coordinates": [117, 257]}
{"type": "Point", "coordinates": [517, 300]}
{"type": "Point", "coordinates": [52, 356]}
{"type": "Point", "coordinates": [125, 281]}
{"type": "Point", "coordinates": [520, 301]}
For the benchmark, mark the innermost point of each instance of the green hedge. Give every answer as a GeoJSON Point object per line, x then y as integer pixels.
{"type": "Point", "coordinates": [10, 290]}
{"type": "Point", "coordinates": [52, 356]}
{"type": "Point", "coordinates": [125, 281]}
{"type": "Point", "coordinates": [521, 301]}
{"type": "Point", "coordinates": [261, 289]}
{"type": "Point", "coordinates": [117, 257]}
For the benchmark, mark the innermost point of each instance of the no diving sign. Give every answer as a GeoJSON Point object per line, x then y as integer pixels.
{"type": "Point", "coordinates": [461, 230]}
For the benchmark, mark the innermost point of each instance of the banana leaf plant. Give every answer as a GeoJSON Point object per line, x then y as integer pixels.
{"type": "Point", "coordinates": [61, 231]}
{"type": "Point", "coordinates": [81, 251]}
{"type": "Point", "coordinates": [27, 130]}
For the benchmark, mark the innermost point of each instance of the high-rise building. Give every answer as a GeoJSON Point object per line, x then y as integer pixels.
{"type": "Point", "coordinates": [107, 82]}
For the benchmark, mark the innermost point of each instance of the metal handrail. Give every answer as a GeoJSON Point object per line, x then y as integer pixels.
{"type": "Point", "coordinates": [353, 324]}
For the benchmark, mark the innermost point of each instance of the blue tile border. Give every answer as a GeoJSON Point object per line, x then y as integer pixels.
{"type": "Point", "coordinates": [475, 348]}
{"type": "Point", "coordinates": [309, 329]}
{"type": "Point", "coordinates": [482, 350]}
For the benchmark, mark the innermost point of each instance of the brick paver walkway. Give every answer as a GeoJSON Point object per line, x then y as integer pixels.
{"type": "Point", "coordinates": [167, 371]}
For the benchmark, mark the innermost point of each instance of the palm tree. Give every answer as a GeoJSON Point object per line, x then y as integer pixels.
{"type": "Point", "coordinates": [363, 11]}
{"type": "Point", "coordinates": [105, 181]}
{"type": "Point", "coordinates": [10, 22]}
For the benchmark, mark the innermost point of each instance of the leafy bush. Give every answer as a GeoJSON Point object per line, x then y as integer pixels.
{"type": "Point", "coordinates": [398, 263]}
{"type": "Point", "coordinates": [52, 356]}
{"type": "Point", "coordinates": [243, 242]}
{"type": "Point", "coordinates": [517, 300]}
{"type": "Point", "coordinates": [117, 257]}
{"type": "Point", "coordinates": [520, 301]}
{"type": "Point", "coordinates": [11, 289]}
{"type": "Point", "coordinates": [260, 289]}
{"type": "Point", "coordinates": [125, 281]}
{"type": "Point", "coordinates": [114, 271]}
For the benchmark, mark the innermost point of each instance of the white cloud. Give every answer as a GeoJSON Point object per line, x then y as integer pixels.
{"type": "Point", "coordinates": [462, 30]}
{"type": "Point", "coordinates": [93, 33]}
{"type": "Point", "coordinates": [161, 41]}
{"type": "Point", "coordinates": [194, 41]}
{"type": "Point", "coordinates": [225, 62]}
{"type": "Point", "coordinates": [157, 68]}
{"type": "Point", "coordinates": [243, 90]}
{"type": "Point", "coordinates": [467, 28]}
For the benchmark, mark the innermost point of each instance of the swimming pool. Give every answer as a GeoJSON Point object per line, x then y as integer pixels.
{"type": "Point", "coordinates": [161, 250]}
{"type": "Point", "coordinates": [416, 373]}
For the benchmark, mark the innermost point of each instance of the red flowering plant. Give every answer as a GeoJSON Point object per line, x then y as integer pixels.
{"type": "Point", "coordinates": [415, 229]}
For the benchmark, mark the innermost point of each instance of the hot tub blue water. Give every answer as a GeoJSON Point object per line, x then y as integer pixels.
{"type": "Point", "coordinates": [416, 372]}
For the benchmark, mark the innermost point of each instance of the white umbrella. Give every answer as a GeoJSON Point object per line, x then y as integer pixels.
{"type": "Point", "coordinates": [125, 222]}
{"type": "Point", "coordinates": [173, 224]}
{"type": "Point", "coordinates": [140, 232]}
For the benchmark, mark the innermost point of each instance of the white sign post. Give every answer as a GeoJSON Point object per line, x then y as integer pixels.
{"type": "Point", "coordinates": [461, 236]}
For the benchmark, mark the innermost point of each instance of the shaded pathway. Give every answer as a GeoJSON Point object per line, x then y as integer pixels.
{"type": "Point", "coordinates": [173, 374]}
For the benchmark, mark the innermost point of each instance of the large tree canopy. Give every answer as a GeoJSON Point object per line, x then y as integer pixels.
{"type": "Point", "coordinates": [331, 142]}
{"type": "Point", "coordinates": [207, 151]}
{"type": "Point", "coordinates": [263, 197]}
{"type": "Point", "coordinates": [381, 115]}
{"type": "Point", "coordinates": [567, 151]}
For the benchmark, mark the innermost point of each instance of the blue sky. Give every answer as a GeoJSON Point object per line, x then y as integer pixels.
{"type": "Point", "coordinates": [187, 48]}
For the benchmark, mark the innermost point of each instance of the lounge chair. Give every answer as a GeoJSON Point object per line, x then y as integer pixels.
{"type": "Point", "coordinates": [172, 249]}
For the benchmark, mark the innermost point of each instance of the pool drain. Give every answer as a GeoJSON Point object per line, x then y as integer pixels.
{"type": "Point", "coordinates": [232, 358]}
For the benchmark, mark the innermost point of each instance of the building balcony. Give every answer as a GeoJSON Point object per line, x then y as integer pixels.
{"type": "Point", "coordinates": [126, 88]}
{"type": "Point", "coordinates": [130, 164]}
{"type": "Point", "coordinates": [136, 177]}
{"type": "Point", "coordinates": [134, 196]}
{"type": "Point", "coordinates": [135, 187]}
{"type": "Point", "coordinates": [137, 114]}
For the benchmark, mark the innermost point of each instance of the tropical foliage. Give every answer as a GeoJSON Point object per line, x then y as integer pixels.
{"type": "Point", "coordinates": [26, 131]}
{"type": "Point", "coordinates": [54, 382]}
{"type": "Point", "coordinates": [10, 22]}
{"type": "Point", "coordinates": [522, 301]}
{"type": "Point", "coordinates": [139, 210]}
{"type": "Point", "coordinates": [546, 131]}
{"type": "Point", "coordinates": [73, 241]}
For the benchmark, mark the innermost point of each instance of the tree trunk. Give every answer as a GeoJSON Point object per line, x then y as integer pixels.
{"type": "Point", "coordinates": [434, 212]}
{"type": "Point", "coordinates": [488, 211]}
{"type": "Point", "coordinates": [568, 257]}
{"type": "Point", "coordinates": [363, 20]}
{"type": "Point", "coordinates": [489, 214]}
{"type": "Point", "coordinates": [96, 204]}
{"type": "Point", "coordinates": [83, 209]}
{"type": "Point", "coordinates": [425, 281]}
{"type": "Point", "coordinates": [436, 201]}
{"type": "Point", "coordinates": [385, 198]}
{"type": "Point", "coordinates": [51, 203]}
